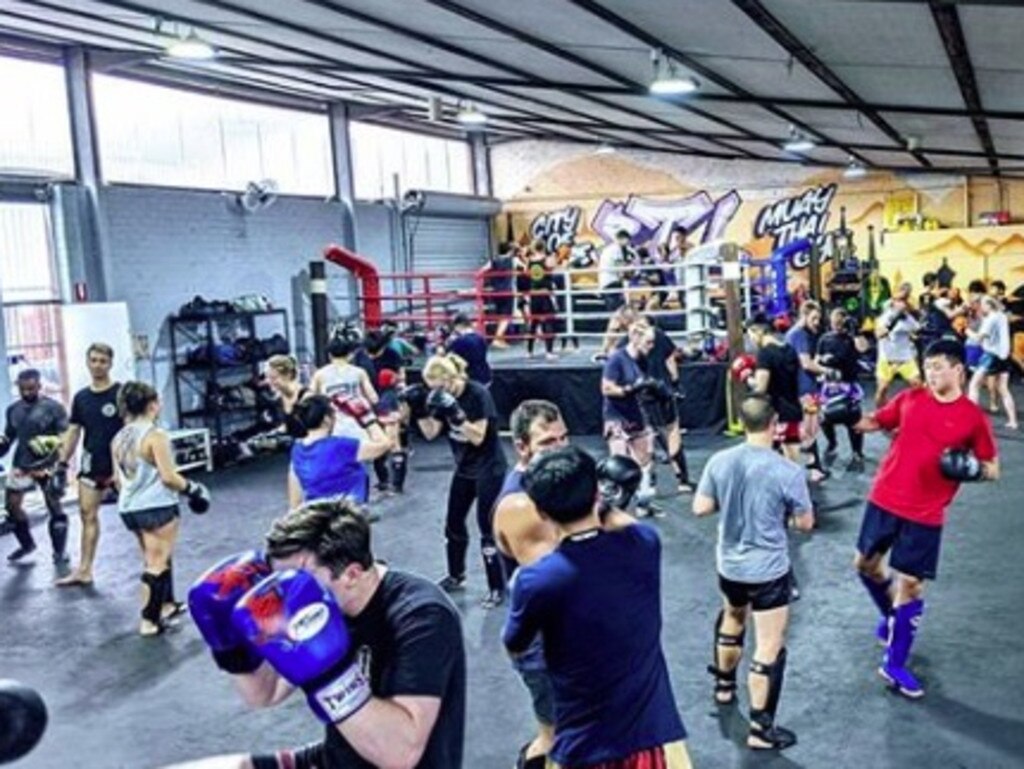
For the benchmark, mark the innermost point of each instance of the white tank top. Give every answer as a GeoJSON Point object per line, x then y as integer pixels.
{"type": "Point", "coordinates": [345, 380]}
{"type": "Point", "coordinates": [141, 487]}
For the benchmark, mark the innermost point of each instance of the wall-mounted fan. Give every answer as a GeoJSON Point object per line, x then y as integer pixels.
{"type": "Point", "coordinates": [257, 196]}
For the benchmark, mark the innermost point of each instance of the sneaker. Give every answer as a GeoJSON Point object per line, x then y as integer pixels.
{"type": "Point", "coordinates": [450, 584]}
{"type": "Point", "coordinates": [551, 356]}
{"type": "Point", "coordinates": [856, 464]}
{"type": "Point", "coordinates": [686, 488]}
{"type": "Point", "coordinates": [902, 681]}
{"type": "Point", "coordinates": [493, 599]}
{"type": "Point", "coordinates": [831, 452]}
{"type": "Point", "coordinates": [20, 553]}
{"type": "Point", "coordinates": [649, 511]}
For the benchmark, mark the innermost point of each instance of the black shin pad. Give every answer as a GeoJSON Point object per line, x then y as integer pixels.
{"type": "Point", "coordinates": [58, 528]}
{"type": "Point", "coordinates": [155, 601]}
{"type": "Point", "coordinates": [763, 719]}
{"type": "Point", "coordinates": [725, 680]}
{"type": "Point", "coordinates": [397, 462]}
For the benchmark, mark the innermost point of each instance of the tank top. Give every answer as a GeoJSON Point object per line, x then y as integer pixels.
{"type": "Point", "coordinates": [139, 479]}
{"type": "Point", "coordinates": [339, 381]}
{"type": "Point", "coordinates": [330, 467]}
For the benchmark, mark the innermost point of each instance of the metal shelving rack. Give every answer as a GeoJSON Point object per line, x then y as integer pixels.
{"type": "Point", "coordinates": [208, 378]}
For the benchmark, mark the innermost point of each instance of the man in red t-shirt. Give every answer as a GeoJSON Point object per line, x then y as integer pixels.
{"type": "Point", "coordinates": [907, 504]}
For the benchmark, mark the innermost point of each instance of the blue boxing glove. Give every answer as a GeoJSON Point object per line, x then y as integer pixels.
{"type": "Point", "coordinates": [296, 625]}
{"type": "Point", "coordinates": [211, 601]}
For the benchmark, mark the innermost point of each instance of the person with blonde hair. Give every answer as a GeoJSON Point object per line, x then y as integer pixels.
{"type": "Point", "coordinates": [465, 412]}
{"type": "Point", "coordinates": [282, 376]}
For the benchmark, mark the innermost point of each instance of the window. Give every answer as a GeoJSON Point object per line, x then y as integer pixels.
{"type": "Point", "coordinates": [150, 134]}
{"type": "Point", "coordinates": [35, 130]}
{"type": "Point", "coordinates": [421, 162]}
{"type": "Point", "coordinates": [30, 294]}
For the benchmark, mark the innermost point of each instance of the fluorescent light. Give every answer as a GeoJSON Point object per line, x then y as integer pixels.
{"type": "Point", "coordinates": [800, 144]}
{"type": "Point", "coordinates": [668, 82]}
{"type": "Point", "coordinates": [673, 85]}
{"type": "Point", "coordinates": [191, 47]}
{"type": "Point", "coordinates": [605, 149]}
{"type": "Point", "coordinates": [855, 171]}
{"type": "Point", "coordinates": [469, 115]}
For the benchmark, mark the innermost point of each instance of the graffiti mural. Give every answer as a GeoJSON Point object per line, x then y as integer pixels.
{"type": "Point", "coordinates": [650, 220]}
{"type": "Point", "coordinates": [795, 218]}
{"type": "Point", "coordinates": [556, 228]}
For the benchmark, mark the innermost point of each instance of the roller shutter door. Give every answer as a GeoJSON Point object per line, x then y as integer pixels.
{"type": "Point", "coordinates": [449, 245]}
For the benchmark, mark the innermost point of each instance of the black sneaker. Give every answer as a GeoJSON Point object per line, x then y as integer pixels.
{"type": "Point", "coordinates": [830, 454]}
{"type": "Point", "coordinates": [650, 511]}
{"type": "Point", "coordinates": [856, 464]}
{"type": "Point", "coordinates": [450, 584]}
{"type": "Point", "coordinates": [62, 564]}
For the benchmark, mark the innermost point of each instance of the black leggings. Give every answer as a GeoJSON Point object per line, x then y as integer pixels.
{"type": "Point", "coordinates": [461, 495]}
{"type": "Point", "coordinates": [310, 757]}
{"type": "Point", "coordinates": [856, 438]}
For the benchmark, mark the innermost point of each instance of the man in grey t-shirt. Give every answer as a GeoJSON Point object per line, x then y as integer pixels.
{"type": "Point", "coordinates": [897, 356]}
{"type": "Point", "coordinates": [756, 490]}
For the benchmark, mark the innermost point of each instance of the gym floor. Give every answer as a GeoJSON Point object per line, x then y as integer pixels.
{"type": "Point", "coordinates": [117, 700]}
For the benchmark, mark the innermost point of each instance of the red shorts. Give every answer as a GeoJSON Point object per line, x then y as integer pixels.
{"type": "Point", "coordinates": [787, 432]}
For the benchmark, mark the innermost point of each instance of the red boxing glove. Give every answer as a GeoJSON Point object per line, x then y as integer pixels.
{"type": "Point", "coordinates": [743, 367]}
{"type": "Point", "coordinates": [387, 379]}
{"type": "Point", "coordinates": [356, 407]}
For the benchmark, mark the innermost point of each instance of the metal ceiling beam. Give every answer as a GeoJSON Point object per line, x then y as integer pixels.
{"type": "Point", "coordinates": [625, 25]}
{"type": "Point", "coordinates": [636, 88]}
{"type": "Point", "coordinates": [948, 22]}
{"type": "Point", "coordinates": [764, 19]}
{"type": "Point", "coordinates": [493, 63]}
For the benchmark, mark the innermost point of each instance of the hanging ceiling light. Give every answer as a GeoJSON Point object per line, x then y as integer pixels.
{"type": "Point", "coordinates": [667, 81]}
{"type": "Point", "coordinates": [191, 47]}
{"type": "Point", "coordinates": [855, 170]}
{"type": "Point", "coordinates": [470, 116]}
{"type": "Point", "coordinates": [798, 142]}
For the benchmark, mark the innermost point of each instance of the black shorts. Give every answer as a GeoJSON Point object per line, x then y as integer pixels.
{"type": "Point", "coordinates": [150, 520]}
{"type": "Point", "coordinates": [309, 757]}
{"type": "Point", "coordinates": [993, 365]}
{"type": "Point", "coordinates": [913, 547]}
{"type": "Point", "coordinates": [502, 306]}
{"type": "Point", "coordinates": [542, 305]}
{"type": "Point", "coordinates": [760, 596]}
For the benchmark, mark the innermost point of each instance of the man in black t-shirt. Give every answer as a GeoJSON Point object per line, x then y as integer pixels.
{"type": "Point", "coordinates": [839, 353]}
{"type": "Point", "coordinates": [396, 696]}
{"type": "Point", "coordinates": [465, 411]}
{"type": "Point", "coordinates": [95, 420]}
{"type": "Point", "coordinates": [777, 376]}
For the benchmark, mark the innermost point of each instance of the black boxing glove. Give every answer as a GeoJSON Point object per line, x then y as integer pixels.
{"type": "Point", "coordinates": [5, 445]}
{"type": "Point", "coordinates": [416, 397]}
{"type": "Point", "coordinates": [198, 497]}
{"type": "Point", "coordinates": [443, 406]}
{"type": "Point", "coordinates": [618, 478]}
{"type": "Point", "coordinates": [960, 465]}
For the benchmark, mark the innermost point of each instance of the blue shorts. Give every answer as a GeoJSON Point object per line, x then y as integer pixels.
{"type": "Point", "coordinates": [913, 547]}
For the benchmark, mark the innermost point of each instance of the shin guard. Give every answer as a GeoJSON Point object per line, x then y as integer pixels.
{"type": "Point", "coordinates": [763, 719]}
{"type": "Point", "coordinates": [879, 592]}
{"type": "Point", "coordinates": [682, 473]}
{"type": "Point", "coordinates": [154, 584]}
{"type": "Point", "coordinates": [58, 528]}
{"type": "Point", "coordinates": [725, 680]}
{"type": "Point", "coordinates": [397, 461]}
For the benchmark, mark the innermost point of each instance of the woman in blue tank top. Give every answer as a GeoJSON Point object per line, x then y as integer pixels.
{"type": "Point", "coordinates": [326, 465]}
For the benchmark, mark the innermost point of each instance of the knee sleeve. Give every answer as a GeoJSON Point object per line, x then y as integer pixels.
{"type": "Point", "coordinates": [775, 673]}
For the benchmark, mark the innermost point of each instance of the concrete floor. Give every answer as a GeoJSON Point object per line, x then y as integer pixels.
{"type": "Point", "coordinates": [120, 701]}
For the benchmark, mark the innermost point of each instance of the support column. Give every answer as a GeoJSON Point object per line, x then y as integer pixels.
{"type": "Point", "coordinates": [481, 165]}
{"type": "Point", "coordinates": [344, 185]}
{"type": "Point", "coordinates": [79, 207]}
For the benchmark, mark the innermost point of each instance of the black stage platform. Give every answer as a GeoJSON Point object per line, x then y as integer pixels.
{"type": "Point", "coordinates": [573, 382]}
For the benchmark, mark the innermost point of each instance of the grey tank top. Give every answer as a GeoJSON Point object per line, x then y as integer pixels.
{"type": "Point", "coordinates": [141, 487]}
